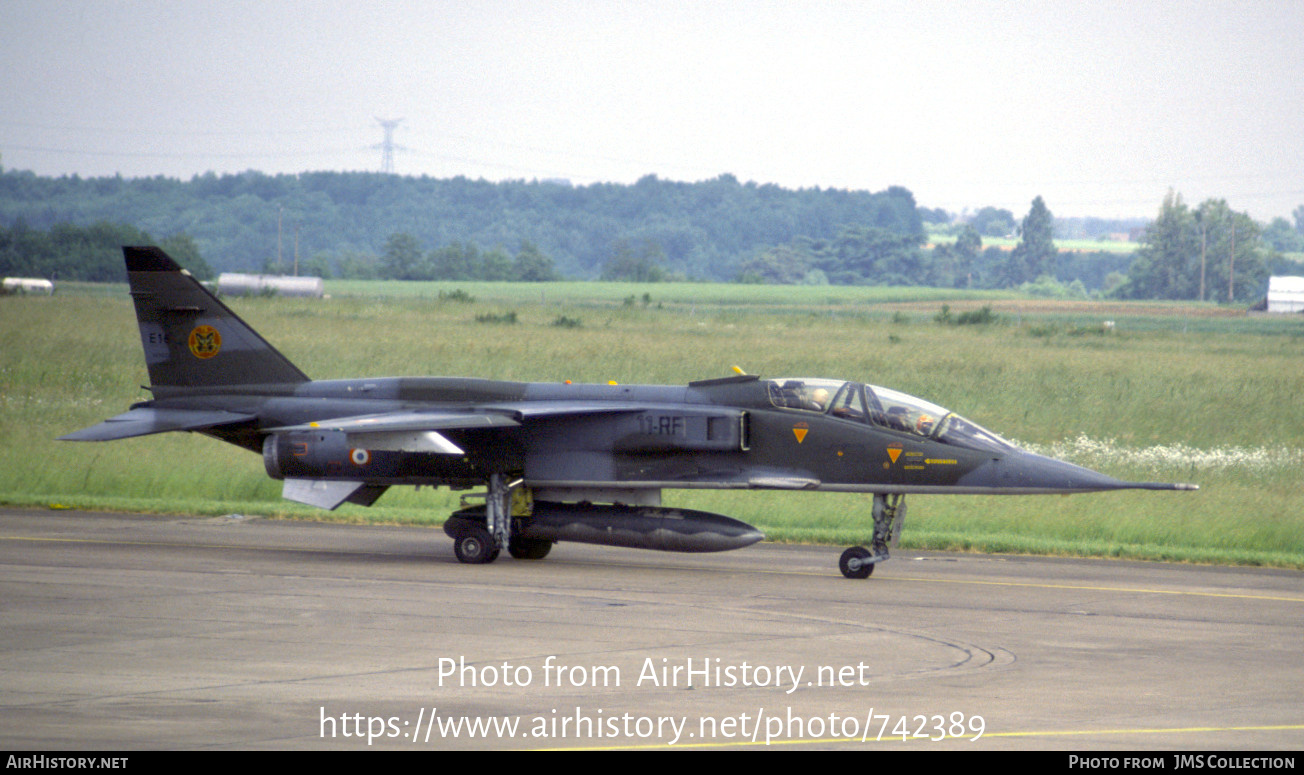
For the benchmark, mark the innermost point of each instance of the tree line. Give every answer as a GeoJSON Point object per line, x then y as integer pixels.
{"type": "Point", "coordinates": [653, 230]}
{"type": "Point", "coordinates": [1209, 252]}
{"type": "Point", "coordinates": [89, 253]}
{"type": "Point", "coordinates": [873, 256]}
{"type": "Point", "coordinates": [337, 220]}
{"type": "Point", "coordinates": [404, 259]}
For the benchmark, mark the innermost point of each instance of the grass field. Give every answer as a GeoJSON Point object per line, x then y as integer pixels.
{"type": "Point", "coordinates": [1172, 393]}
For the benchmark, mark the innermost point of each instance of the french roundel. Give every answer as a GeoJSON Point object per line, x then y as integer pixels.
{"type": "Point", "coordinates": [360, 457]}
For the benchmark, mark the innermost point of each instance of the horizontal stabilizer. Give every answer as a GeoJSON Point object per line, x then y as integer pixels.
{"type": "Point", "coordinates": [329, 494]}
{"type": "Point", "coordinates": [146, 420]}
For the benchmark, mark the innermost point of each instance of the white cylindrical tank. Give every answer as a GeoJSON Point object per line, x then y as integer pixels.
{"type": "Point", "coordinates": [28, 285]}
{"type": "Point", "coordinates": [234, 284]}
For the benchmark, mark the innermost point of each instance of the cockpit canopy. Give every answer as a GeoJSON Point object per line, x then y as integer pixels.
{"type": "Point", "coordinates": [883, 407]}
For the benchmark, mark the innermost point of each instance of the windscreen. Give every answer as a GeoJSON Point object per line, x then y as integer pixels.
{"type": "Point", "coordinates": [904, 412]}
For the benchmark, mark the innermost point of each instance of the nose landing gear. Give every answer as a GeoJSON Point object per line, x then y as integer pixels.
{"type": "Point", "coordinates": [889, 512]}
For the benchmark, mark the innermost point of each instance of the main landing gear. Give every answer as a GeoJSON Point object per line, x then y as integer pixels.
{"type": "Point", "coordinates": [889, 512]}
{"type": "Point", "coordinates": [474, 545]}
{"type": "Point", "coordinates": [479, 536]}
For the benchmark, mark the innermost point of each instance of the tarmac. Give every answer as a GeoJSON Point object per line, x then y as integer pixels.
{"type": "Point", "coordinates": [124, 632]}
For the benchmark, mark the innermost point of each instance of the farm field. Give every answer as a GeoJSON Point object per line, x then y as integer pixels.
{"type": "Point", "coordinates": [1170, 392]}
{"type": "Point", "coordinates": [1069, 245]}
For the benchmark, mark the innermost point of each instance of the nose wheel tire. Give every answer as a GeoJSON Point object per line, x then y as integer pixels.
{"type": "Point", "coordinates": [853, 565]}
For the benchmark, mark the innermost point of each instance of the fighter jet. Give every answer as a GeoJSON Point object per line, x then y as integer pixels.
{"type": "Point", "coordinates": [559, 461]}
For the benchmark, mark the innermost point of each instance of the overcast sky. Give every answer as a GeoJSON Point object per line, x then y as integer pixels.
{"type": "Point", "coordinates": [1099, 107]}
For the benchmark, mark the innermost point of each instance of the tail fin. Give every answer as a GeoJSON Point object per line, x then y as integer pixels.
{"type": "Point", "coordinates": [191, 339]}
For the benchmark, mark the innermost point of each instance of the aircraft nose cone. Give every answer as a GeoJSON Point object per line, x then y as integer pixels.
{"type": "Point", "coordinates": [1026, 472]}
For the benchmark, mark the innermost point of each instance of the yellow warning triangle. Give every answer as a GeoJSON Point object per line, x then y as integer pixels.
{"type": "Point", "coordinates": [800, 433]}
{"type": "Point", "coordinates": [894, 453]}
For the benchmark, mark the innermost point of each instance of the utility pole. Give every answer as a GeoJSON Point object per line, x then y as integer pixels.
{"type": "Point", "coordinates": [387, 146]}
{"type": "Point", "coordinates": [1231, 264]}
{"type": "Point", "coordinates": [1203, 243]}
{"type": "Point", "coordinates": [280, 211]}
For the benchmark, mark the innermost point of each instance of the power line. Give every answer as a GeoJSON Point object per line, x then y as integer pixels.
{"type": "Point", "coordinates": [155, 129]}
{"type": "Point", "coordinates": [181, 154]}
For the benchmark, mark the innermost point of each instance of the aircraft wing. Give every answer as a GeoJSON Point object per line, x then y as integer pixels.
{"type": "Point", "coordinates": [532, 409]}
{"type": "Point", "coordinates": [388, 422]}
{"type": "Point", "coordinates": [505, 415]}
{"type": "Point", "coordinates": [406, 431]}
{"type": "Point", "coordinates": [418, 431]}
{"type": "Point", "coordinates": [143, 421]}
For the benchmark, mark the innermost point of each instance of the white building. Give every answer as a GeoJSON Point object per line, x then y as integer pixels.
{"type": "Point", "coordinates": [1286, 294]}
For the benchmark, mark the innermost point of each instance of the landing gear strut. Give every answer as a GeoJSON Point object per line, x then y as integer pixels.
{"type": "Point", "coordinates": [889, 512]}
{"type": "Point", "coordinates": [479, 537]}
{"type": "Point", "coordinates": [497, 510]}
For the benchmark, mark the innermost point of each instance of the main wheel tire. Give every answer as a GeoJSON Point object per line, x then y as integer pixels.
{"type": "Point", "coordinates": [859, 553]}
{"type": "Point", "coordinates": [475, 546]}
{"type": "Point", "coordinates": [529, 548]}
{"type": "Point", "coordinates": [456, 525]}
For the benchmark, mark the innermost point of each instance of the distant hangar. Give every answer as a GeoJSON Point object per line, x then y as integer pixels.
{"type": "Point", "coordinates": [1286, 294]}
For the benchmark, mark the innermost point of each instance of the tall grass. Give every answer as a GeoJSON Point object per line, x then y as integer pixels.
{"type": "Point", "coordinates": [1220, 406]}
